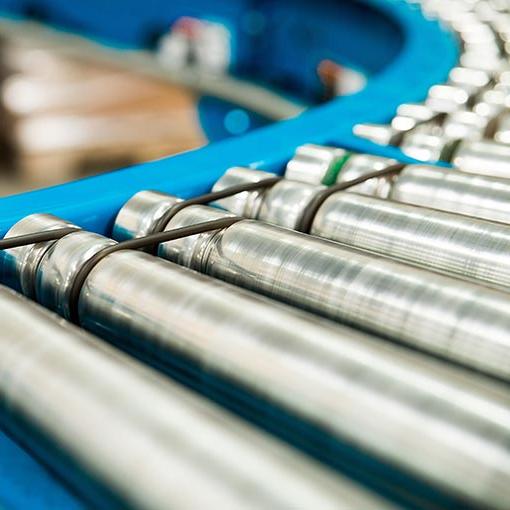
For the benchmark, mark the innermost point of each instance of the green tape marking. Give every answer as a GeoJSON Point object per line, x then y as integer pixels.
{"type": "Point", "coordinates": [331, 175]}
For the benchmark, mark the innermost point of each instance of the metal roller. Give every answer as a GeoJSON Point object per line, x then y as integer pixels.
{"type": "Point", "coordinates": [128, 438]}
{"type": "Point", "coordinates": [317, 164]}
{"type": "Point", "coordinates": [453, 244]}
{"type": "Point", "coordinates": [431, 186]}
{"type": "Point", "coordinates": [465, 119]}
{"type": "Point", "coordinates": [415, 418]}
{"type": "Point", "coordinates": [20, 264]}
{"type": "Point", "coordinates": [430, 143]}
{"type": "Point", "coordinates": [361, 164]}
{"type": "Point", "coordinates": [483, 157]}
{"type": "Point", "coordinates": [454, 191]}
{"type": "Point", "coordinates": [308, 166]}
{"type": "Point", "coordinates": [282, 204]}
{"type": "Point", "coordinates": [468, 248]}
{"type": "Point", "coordinates": [470, 323]}
{"type": "Point", "coordinates": [140, 219]}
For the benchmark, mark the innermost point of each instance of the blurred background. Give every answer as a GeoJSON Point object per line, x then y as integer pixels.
{"type": "Point", "coordinates": [71, 107]}
{"type": "Point", "coordinates": [67, 116]}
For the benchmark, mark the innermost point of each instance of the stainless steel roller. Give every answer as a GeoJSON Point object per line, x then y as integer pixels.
{"type": "Point", "coordinates": [430, 143]}
{"type": "Point", "coordinates": [450, 243]}
{"type": "Point", "coordinates": [459, 321]}
{"type": "Point", "coordinates": [309, 165]}
{"type": "Point", "coordinates": [450, 190]}
{"type": "Point", "coordinates": [469, 248]}
{"type": "Point", "coordinates": [465, 119]}
{"type": "Point", "coordinates": [416, 418]}
{"type": "Point", "coordinates": [431, 186]}
{"type": "Point", "coordinates": [317, 164]}
{"type": "Point", "coordinates": [483, 157]}
{"type": "Point", "coordinates": [126, 437]}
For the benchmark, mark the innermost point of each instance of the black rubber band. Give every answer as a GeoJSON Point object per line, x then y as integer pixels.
{"type": "Point", "coordinates": [306, 221]}
{"type": "Point", "coordinates": [211, 197]}
{"type": "Point", "coordinates": [136, 244]}
{"type": "Point", "coordinates": [36, 237]}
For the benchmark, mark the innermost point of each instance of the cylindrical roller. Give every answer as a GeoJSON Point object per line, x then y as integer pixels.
{"type": "Point", "coordinates": [455, 191]}
{"type": "Point", "coordinates": [18, 265]}
{"type": "Point", "coordinates": [410, 115]}
{"type": "Point", "coordinates": [361, 164]}
{"type": "Point", "coordinates": [457, 245]}
{"type": "Point", "coordinates": [474, 80]}
{"type": "Point", "coordinates": [126, 437]}
{"type": "Point", "coordinates": [316, 164]}
{"type": "Point", "coordinates": [448, 98]}
{"type": "Point", "coordinates": [464, 125]}
{"type": "Point", "coordinates": [416, 417]}
{"type": "Point", "coordinates": [428, 143]}
{"type": "Point", "coordinates": [361, 289]}
{"type": "Point", "coordinates": [425, 185]}
{"type": "Point", "coordinates": [139, 221]}
{"type": "Point", "coordinates": [380, 133]}
{"type": "Point", "coordinates": [283, 204]}
{"type": "Point", "coordinates": [54, 277]}
{"type": "Point", "coordinates": [484, 157]}
{"type": "Point", "coordinates": [457, 320]}
{"type": "Point", "coordinates": [193, 251]}
{"type": "Point", "coordinates": [316, 172]}
{"type": "Point", "coordinates": [245, 204]}
{"type": "Point", "coordinates": [470, 248]}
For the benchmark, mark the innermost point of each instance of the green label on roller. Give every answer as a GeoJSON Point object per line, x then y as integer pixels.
{"type": "Point", "coordinates": [331, 175]}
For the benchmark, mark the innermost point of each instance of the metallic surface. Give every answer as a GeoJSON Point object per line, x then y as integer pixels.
{"type": "Point", "coordinates": [472, 249]}
{"type": "Point", "coordinates": [409, 115]}
{"type": "Point", "coordinates": [362, 164]}
{"type": "Point", "coordinates": [462, 322]}
{"type": "Point", "coordinates": [484, 157]}
{"type": "Point", "coordinates": [447, 98]}
{"type": "Point", "coordinates": [285, 202]}
{"type": "Point", "coordinates": [458, 320]}
{"type": "Point", "coordinates": [457, 245]}
{"type": "Point", "coordinates": [59, 266]}
{"type": "Point", "coordinates": [410, 412]}
{"type": "Point", "coordinates": [464, 125]}
{"type": "Point", "coordinates": [416, 414]}
{"type": "Point", "coordinates": [128, 438]}
{"type": "Point", "coordinates": [313, 170]}
{"type": "Point", "coordinates": [472, 129]}
{"type": "Point", "coordinates": [18, 265]}
{"type": "Point", "coordinates": [243, 204]}
{"type": "Point", "coordinates": [455, 191]}
{"type": "Point", "coordinates": [107, 206]}
{"type": "Point", "coordinates": [193, 251]}
{"type": "Point", "coordinates": [312, 163]}
{"type": "Point", "coordinates": [144, 211]}
{"type": "Point", "coordinates": [423, 145]}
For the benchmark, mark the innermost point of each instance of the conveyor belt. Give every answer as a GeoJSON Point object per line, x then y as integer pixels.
{"type": "Point", "coordinates": [335, 292]}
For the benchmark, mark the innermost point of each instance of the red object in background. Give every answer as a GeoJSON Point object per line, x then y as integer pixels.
{"type": "Point", "coordinates": [330, 74]}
